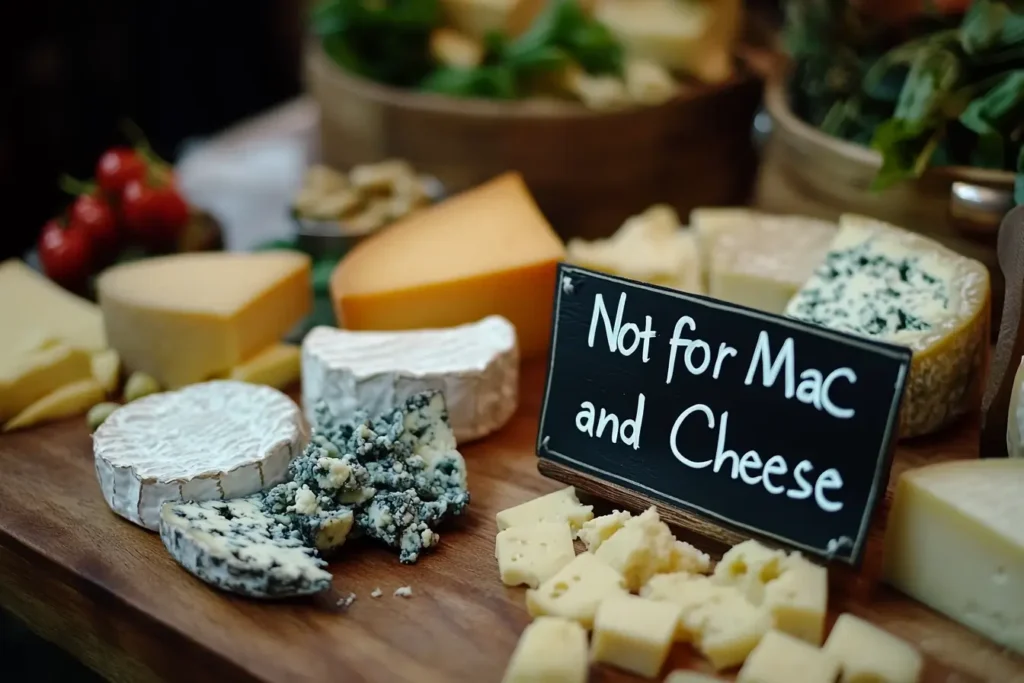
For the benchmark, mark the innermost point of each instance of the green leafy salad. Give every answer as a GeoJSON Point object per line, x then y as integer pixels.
{"type": "Point", "coordinates": [942, 91]}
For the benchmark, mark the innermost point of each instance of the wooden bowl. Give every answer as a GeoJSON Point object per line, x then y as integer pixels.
{"type": "Point", "coordinates": [589, 171]}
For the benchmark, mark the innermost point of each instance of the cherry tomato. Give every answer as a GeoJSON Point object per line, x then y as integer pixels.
{"type": "Point", "coordinates": [66, 253]}
{"type": "Point", "coordinates": [96, 218]}
{"type": "Point", "coordinates": [117, 167]}
{"type": "Point", "coordinates": [154, 213]}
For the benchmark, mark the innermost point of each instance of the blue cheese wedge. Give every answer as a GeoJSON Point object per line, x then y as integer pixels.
{"type": "Point", "coordinates": [889, 284]}
{"type": "Point", "coordinates": [237, 547]}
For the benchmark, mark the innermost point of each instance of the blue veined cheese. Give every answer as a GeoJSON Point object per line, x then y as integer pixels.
{"type": "Point", "coordinates": [235, 546]}
{"type": "Point", "coordinates": [883, 282]}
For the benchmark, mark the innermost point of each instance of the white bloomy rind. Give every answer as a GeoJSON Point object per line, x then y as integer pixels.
{"type": "Point", "coordinates": [475, 366]}
{"type": "Point", "coordinates": [215, 440]}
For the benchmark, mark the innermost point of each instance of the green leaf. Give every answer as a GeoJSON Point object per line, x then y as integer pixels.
{"type": "Point", "coordinates": [494, 82]}
{"type": "Point", "coordinates": [991, 26]}
{"type": "Point", "coordinates": [934, 75]}
{"type": "Point", "coordinates": [592, 45]}
{"type": "Point", "coordinates": [886, 77]}
{"type": "Point", "coordinates": [547, 58]}
{"type": "Point", "coordinates": [1019, 184]}
{"type": "Point", "coordinates": [906, 151]}
{"type": "Point", "coordinates": [993, 116]}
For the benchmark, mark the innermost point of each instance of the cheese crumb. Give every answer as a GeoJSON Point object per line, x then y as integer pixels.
{"type": "Point", "coordinates": [403, 592]}
{"type": "Point", "coordinates": [376, 593]}
{"type": "Point", "coordinates": [347, 601]}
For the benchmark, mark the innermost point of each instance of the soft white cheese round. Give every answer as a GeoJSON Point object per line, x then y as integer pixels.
{"type": "Point", "coordinates": [215, 440]}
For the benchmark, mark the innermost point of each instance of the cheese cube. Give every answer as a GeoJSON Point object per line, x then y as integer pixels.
{"type": "Point", "coordinates": [28, 376]}
{"type": "Point", "coordinates": [277, 366]}
{"type": "Point", "coordinates": [723, 624]}
{"type": "Point", "coordinates": [576, 590]}
{"type": "Point", "coordinates": [759, 260]}
{"type": "Point", "coordinates": [867, 654]}
{"type": "Point", "coordinates": [561, 505]}
{"type": "Point", "coordinates": [749, 566]}
{"type": "Point", "coordinates": [900, 287]}
{"type": "Point", "coordinates": [550, 650]}
{"type": "Point", "coordinates": [955, 541]}
{"type": "Point", "coordinates": [690, 677]}
{"type": "Point", "coordinates": [798, 599]}
{"type": "Point", "coordinates": [533, 553]}
{"type": "Point", "coordinates": [598, 530]}
{"type": "Point", "coordinates": [645, 546]}
{"type": "Point", "coordinates": [633, 634]}
{"type": "Point", "coordinates": [188, 317]}
{"type": "Point", "coordinates": [780, 658]}
{"type": "Point", "coordinates": [454, 263]}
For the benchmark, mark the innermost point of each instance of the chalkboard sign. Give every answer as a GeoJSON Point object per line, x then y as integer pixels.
{"type": "Point", "coordinates": [768, 425]}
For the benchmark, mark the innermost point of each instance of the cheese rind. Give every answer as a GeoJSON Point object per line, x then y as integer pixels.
{"type": "Point", "coordinates": [220, 439]}
{"type": "Point", "coordinates": [534, 553]}
{"type": "Point", "coordinates": [550, 650]}
{"type": "Point", "coordinates": [867, 653]}
{"type": "Point", "coordinates": [559, 506]}
{"type": "Point", "coordinates": [189, 317]}
{"type": "Point", "coordinates": [633, 634]}
{"type": "Point", "coordinates": [897, 286]}
{"type": "Point", "coordinates": [781, 658]}
{"type": "Point", "coordinates": [955, 541]}
{"type": "Point", "coordinates": [454, 263]}
{"type": "Point", "coordinates": [576, 591]}
{"type": "Point", "coordinates": [475, 366]}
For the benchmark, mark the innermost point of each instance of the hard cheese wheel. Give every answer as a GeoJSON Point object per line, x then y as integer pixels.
{"type": "Point", "coordinates": [222, 439]}
{"type": "Point", "coordinates": [475, 366]}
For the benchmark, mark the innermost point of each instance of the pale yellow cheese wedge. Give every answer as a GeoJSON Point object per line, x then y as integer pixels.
{"type": "Point", "coordinates": [28, 376]}
{"type": "Point", "coordinates": [278, 366]}
{"type": "Point", "coordinates": [106, 369]}
{"type": "Point", "coordinates": [71, 399]}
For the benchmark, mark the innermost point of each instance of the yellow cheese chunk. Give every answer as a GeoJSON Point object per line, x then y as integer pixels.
{"type": "Point", "coordinates": [900, 287]}
{"type": "Point", "coordinates": [454, 49]}
{"type": "Point", "coordinates": [650, 247]}
{"type": "Point", "coordinates": [691, 37]}
{"type": "Point", "coordinates": [560, 506]}
{"type": "Point", "coordinates": [550, 650]}
{"type": "Point", "coordinates": [488, 251]}
{"type": "Point", "coordinates": [955, 541]}
{"type": "Point", "coordinates": [867, 654]}
{"type": "Point", "coordinates": [598, 530]}
{"type": "Point", "coordinates": [278, 366]}
{"type": "Point", "coordinates": [781, 658]}
{"type": "Point", "coordinates": [28, 376]}
{"type": "Point", "coordinates": [690, 677]}
{"type": "Point", "coordinates": [35, 310]}
{"type": "Point", "coordinates": [723, 624]}
{"type": "Point", "coordinates": [533, 553]}
{"type": "Point", "coordinates": [633, 634]}
{"type": "Point", "coordinates": [68, 400]}
{"type": "Point", "coordinates": [576, 591]}
{"type": "Point", "coordinates": [106, 369]}
{"type": "Point", "coordinates": [477, 18]}
{"type": "Point", "coordinates": [759, 260]}
{"type": "Point", "coordinates": [186, 318]}
{"type": "Point", "coordinates": [749, 566]}
{"type": "Point", "coordinates": [798, 599]}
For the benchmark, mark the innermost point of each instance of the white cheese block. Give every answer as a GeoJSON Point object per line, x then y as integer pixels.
{"type": "Point", "coordinates": [475, 366]}
{"type": "Point", "coordinates": [889, 284]}
{"type": "Point", "coordinates": [235, 546]}
{"type": "Point", "coordinates": [222, 439]}
{"type": "Point", "coordinates": [955, 541]}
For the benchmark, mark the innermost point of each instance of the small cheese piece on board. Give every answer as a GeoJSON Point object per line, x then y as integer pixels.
{"type": "Point", "coordinates": [66, 401]}
{"type": "Point", "coordinates": [576, 590]}
{"type": "Point", "coordinates": [475, 366]}
{"type": "Point", "coordinates": [723, 624]}
{"type": "Point", "coordinates": [867, 653]}
{"type": "Point", "coordinates": [219, 439]}
{"type": "Point", "coordinates": [534, 553]}
{"type": "Point", "coordinates": [695, 38]}
{"type": "Point", "coordinates": [690, 677]}
{"type": "Point", "coordinates": [955, 541]}
{"type": "Point", "coordinates": [560, 506]}
{"type": "Point", "coordinates": [1015, 419]}
{"type": "Point", "coordinates": [277, 366]}
{"type": "Point", "coordinates": [650, 247]}
{"type": "Point", "coordinates": [28, 376]}
{"type": "Point", "coordinates": [598, 530]}
{"type": "Point", "coordinates": [633, 634]}
{"type": "Point", "coordinates": [798, 599]}
{"type": "Point", "coordinates": [781, 658]}
{"type": "Point", "coordinates": [235, 546]}
{"type": "Point", "coordinates": [759, 260]}
{"type": "Point", "coordinates": [749, 566]}
{"type": "Point", "coordinates": [478, 18]}
{"type": "Point", "coordinates": [34, 309]}
{"type": "Point", "coordinates": [896, 286]}
{"type": "Point", "coordinates": [550, 650]}
{"type": "Point", "coordinates": [456, 262]}
{"type": "Point", "coordinates": [106, 369]}
{"type": "Point", "coordinates": [189, 317]}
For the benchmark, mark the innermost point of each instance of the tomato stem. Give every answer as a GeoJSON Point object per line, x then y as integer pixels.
{"type": "Point", "coordinates": [141, 144]}
{"type": "Point", "coordinates": [75, 187]}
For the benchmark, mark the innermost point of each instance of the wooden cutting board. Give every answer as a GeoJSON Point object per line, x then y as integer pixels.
{"type": "Point", "coordinates": [108, 592]}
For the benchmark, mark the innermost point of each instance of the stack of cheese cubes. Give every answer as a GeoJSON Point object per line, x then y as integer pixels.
{"type": "Point", "coordinates": [640, 590]}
